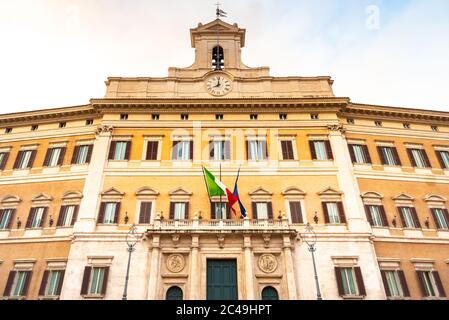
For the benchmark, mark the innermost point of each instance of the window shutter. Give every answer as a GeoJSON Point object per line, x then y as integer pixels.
{"type": "Point", "coordinates": [17, 161]}
{"type": "Point", "coordinates": [367, 155]}
{"type": "Point", "coordinates": [265, 148]}
{"type": "Point", "coordinates": [213, 207]}
{"type": "Point", "coordinates": [32, 158]}
{"type": "Point", "coordinates": [30, 218]}
{"type": "Point", "coordinates": [440, 159]}
{"type": "Point", "coordinates": [415, 218]}
{"type": "Point", "coordinates": [295, 212]}
{"type": "Point", "coordinates": [112, 150]}
{"type": "Point", "coordinates": [4, 161]}
{"type": "Point", "coordinates": [270, 210]}
{"type": "Point", "coordinates": [26, 285]}
{"type": "Point", "coordinates": [211, 150]}
{"type": "Point", "coordinates": [44, 217]}
{"type": "Point", "coordinates": [75, 214]}
{"type": "Point", "coordinates": [228, 211]}
{"type": "Point", "coordinates": [152, 147]}
{"type": "Point", "coordinates": [254, 209]}
{"type": "Point", "coordinates": [401, 215]}
{"type": "Point", "coordinates": [312, 149]}
{"type": "Point", "coordinates": [437, 224]}
{"type": "Point", "coordinates": [47, 157]}
{"type": "Point", "coordinates": [128, 150]}
{"type": "Point", "coordinates": [89, 153]}
{"type": "Point", "coordinates": [186, 213]}
{"type": "Point", "coordinates": [191, 150]}
{"type": "Point", "coordinates": [44, 283]}
{"type": "Point", "coordinates": [403, 283]}
{"type": "Point", "coordinates": [341, 212]}
{"type": "Point", "coordinates": [381, 155]}
{"type": "Point", "coordinates": [329, 153]}
{"type": "Point", "coordinates": [9, 283]}
{"type": "Point", "coordinates": [61, 156]}
{"type": "Point", "coordinates": [440, 287]}
{"type": "Point", "coordinates": [117, 212]}
{"type": "Point", "coordinates": [101, 212]}
{"type": "Point", "coordinates": [172, 211]}
{"type": "Point", "coordinates": [145, 212]}
{"type": "Point", "coordinates": [446, 215]}
{"type": "Point", "coordinates": [61, 215]}
{"type": "Point", "coordinates": [326, 213]}
{"type": "Point", "coordinates": [351, 153]}
{"type": "Point", "coordinates": [360, 284]}
{"type": "Point", "coordinates": [174, 155]}
{"type": "Point", "coordinates": [86, 280]}
{"type": "Point", "coordinates": [383, 216]}
{"type": "Point", "coordinates": [385, 282]}
{"type": "Point", "coordinates": [105, 281]}
{"type": "Point", "coordinates": [368, 215]}
{"type": "Point", "coordinates": [426, 159]}
{"type": "Point", "coordinates": [76, 151]}
{"type": "Point", "coordinates": [412, 159]}
{"type": "Point", "coordinates": [227, 150]}
{"type": "Point", "coordinates": [396, 157]}
{"type": "Point", "coordinates": [11, 219]}
{"type": "Point", "coordinates": [248, 154]}
{"type": "Point", "coordinates": [61, 281]}
{"type": "Point", "coordinates": [341, 291]}
{"type": "Point", "coordinates": [421, 283]}
{"type": "Point", "coordinates": [284, 150]}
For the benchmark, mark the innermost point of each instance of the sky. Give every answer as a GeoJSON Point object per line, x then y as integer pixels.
{"type": "Point", "coordinates": [58, 53]}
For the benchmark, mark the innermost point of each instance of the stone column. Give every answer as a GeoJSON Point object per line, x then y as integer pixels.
{"type": "Point", "coordinates": [354, 210]}
{"type": "Point", "coordinates": [194, 270]}
{"type": "Point", "coordinates": [249, 276]}
{"type": "Point", "coordinates": [154, 268]}
{"type": "Point", "coordinates": [94, 181]}
{"type": "Point", "coordinates": [289, 270]}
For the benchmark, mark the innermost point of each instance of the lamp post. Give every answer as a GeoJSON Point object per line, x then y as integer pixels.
{"type": "Point", "coordinates": [132, 238]}
{"type": "Point", "coordinates": [310, 239]}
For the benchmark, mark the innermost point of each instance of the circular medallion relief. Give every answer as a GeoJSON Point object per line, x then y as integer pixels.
{"type": "Point", "coordinates": [175, 263]}
{"type": "Point", "coordinates": [268, 263]}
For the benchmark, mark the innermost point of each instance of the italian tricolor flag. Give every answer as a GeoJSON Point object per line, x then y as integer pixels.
{"type": "Point", "coordinates": [216, 188]}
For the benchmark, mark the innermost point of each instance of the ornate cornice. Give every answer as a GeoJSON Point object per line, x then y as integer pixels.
{"type": "Point", "coordinates": [104, 129]}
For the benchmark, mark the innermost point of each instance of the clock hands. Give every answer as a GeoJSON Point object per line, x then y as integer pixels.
{"type": "Point", "coordinates": [218, 83]}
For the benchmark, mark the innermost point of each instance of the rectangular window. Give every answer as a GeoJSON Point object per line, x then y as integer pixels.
{"type": "Point", "coordinates": [54, 157]}
{"type": "Point", "coordinates": [145, 212]}
{"type": "Point", "coordinates": [97, 280]}
{"type": "Point", "coordinates": [333, 212]}
{"type": "Point", "coordinates": [178, 210]}
{"type": "Point", "coordinates": [82, 154]}
{"type": "Point", "coordinates": [3, 159]}
{"type": "Point", "coordinates": [262, 210]}
{"type": "Point", "coordinates": [25, 159]}
{"type": "Point", "coordinates": [52, 283]}
{"type": "Point", "coordinates": [394, 283]}
{"type": "Point", "coordinates": [253, 116]}
{"type": "Point", "coordinates": [443, 157]}
{"type": "Point", "coordinates": [184, 117]}
{"type": "Point", "coordinates": [6, 216]}
{"type": "Point", "coordinates": [295, 212]}
{"type": "Point", "coordinates": [182, 150]}
{"type": "Point", "coordinates": [418, 158]}
{"type": "Point", "coordinates": [389, 156]}
{"type": "Point", "coordinates": [350, 281]}
{"type": "Point", "coordinates": [409, 217]}
{"type": "Point", "coordinates": [152, 150]}
{"type": "Point", "coordinates": [220, 150]}
{"type": "Point", "coordinates": [431, 285]}
{"type": "Point", "coordinates": [110, 209]}
{"type": "Point", "coordinates": [36, 217]}
{"type": "Point", "coordinates": [376, 216]}
{"type": "Point", "coordinates": [67, 216]}
{"type": "Point", "coordinates": [257, 150]}
{"type": "Point", "coordinates": [120, 150]}
{"type": "Point", "coordinates": [359, 154]}
{"type": "Point", "coordinates": [287, 150]}
{"type": "Point", "coordinates": [441, 217]}
{"type": "Point", "coordinates": [321, 150]}
{"type": "Point", "coordinates": [20, 283]}
{"type": "Point", "coordinates": [220, 210]}
{"type": "Point", "coordinates": [155, 117]}
{"type": "Point", "coordinates": [283, 116]}
{"type": "Point", "coordinates": [218, 117]}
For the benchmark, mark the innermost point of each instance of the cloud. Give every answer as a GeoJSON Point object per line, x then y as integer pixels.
{"type": "Point", "coordinates": [58, 53]}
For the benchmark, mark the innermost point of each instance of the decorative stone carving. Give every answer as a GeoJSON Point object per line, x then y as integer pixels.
{"type": "Point", "coordinates": [175, 239]}
{"type": "Point", "coordinates": [337, 127]}
{"type": "Point", "coordinates": [104, 129]}
{"type": "Point", "coordinates": [268, 263]}
{"type": "Point", "coordinates": [266, 240]}
{"type": "Point", "coordinates": [221, 239]}
{"type": "Point", "coordinates": [176, 263]}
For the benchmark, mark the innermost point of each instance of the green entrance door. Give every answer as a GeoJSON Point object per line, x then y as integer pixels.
{"type": "Point", "coordinates": [222, 280]}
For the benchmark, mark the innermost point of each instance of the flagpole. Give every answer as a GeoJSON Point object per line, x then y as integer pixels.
{"type": "Point", "coordinates": [221, 203]}
{"type": "Point", "coordinates": [207, 187]}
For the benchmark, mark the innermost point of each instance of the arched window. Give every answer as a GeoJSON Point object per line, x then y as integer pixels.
{"type": "Point", "coordinates": [270, 293]}
{"type": "Point", "coordinates": [174, 293]}
{"type": "Point", "coordinates": [217, 58]}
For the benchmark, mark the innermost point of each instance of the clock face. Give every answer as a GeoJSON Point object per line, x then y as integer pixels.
{"type": "Point", "coordinates": [218, 85]}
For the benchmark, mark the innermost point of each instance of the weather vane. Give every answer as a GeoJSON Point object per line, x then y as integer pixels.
{"type": "Point", "coordinates": [220, 13]}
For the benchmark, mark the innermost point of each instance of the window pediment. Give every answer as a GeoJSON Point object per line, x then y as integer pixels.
{"type": "Point", "coordinates": [435, 198]}
{"type": "Point", "coordinates": [371, 195]}
{"type": "Point", "coordinates": [403, 197]}
{"type": "Point", "coordinates": [112, 192]}
{"type": "Point", "coordinates": [260, 192]}
{"type": "Point", "coordinates": [10, 200]}
{"type": "Point", "coordinates": [42, 198]}
{"type": "Point", "coordinates": [330, 192]}
{"type": "Point", "coordinates": [293, 192]}
{"type": "Point", "coordinates": [146, 192]}
{"type": "Point", "coordinates": [72, 195]}
{"type": "Point", "coordinates": [180, 192]}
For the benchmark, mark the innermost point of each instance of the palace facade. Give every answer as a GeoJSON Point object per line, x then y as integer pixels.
{"type": "Point", "coordinates": [372, 181]}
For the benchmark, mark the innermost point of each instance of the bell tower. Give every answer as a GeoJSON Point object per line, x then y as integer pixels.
{"type": "Point", "coordinates": [227, 38]}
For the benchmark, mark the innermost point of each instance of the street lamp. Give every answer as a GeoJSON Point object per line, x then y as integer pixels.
{"type": "Point", "coordinates": [310, 239]}
{"type": "Point", "coordinates": [132, 238]}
